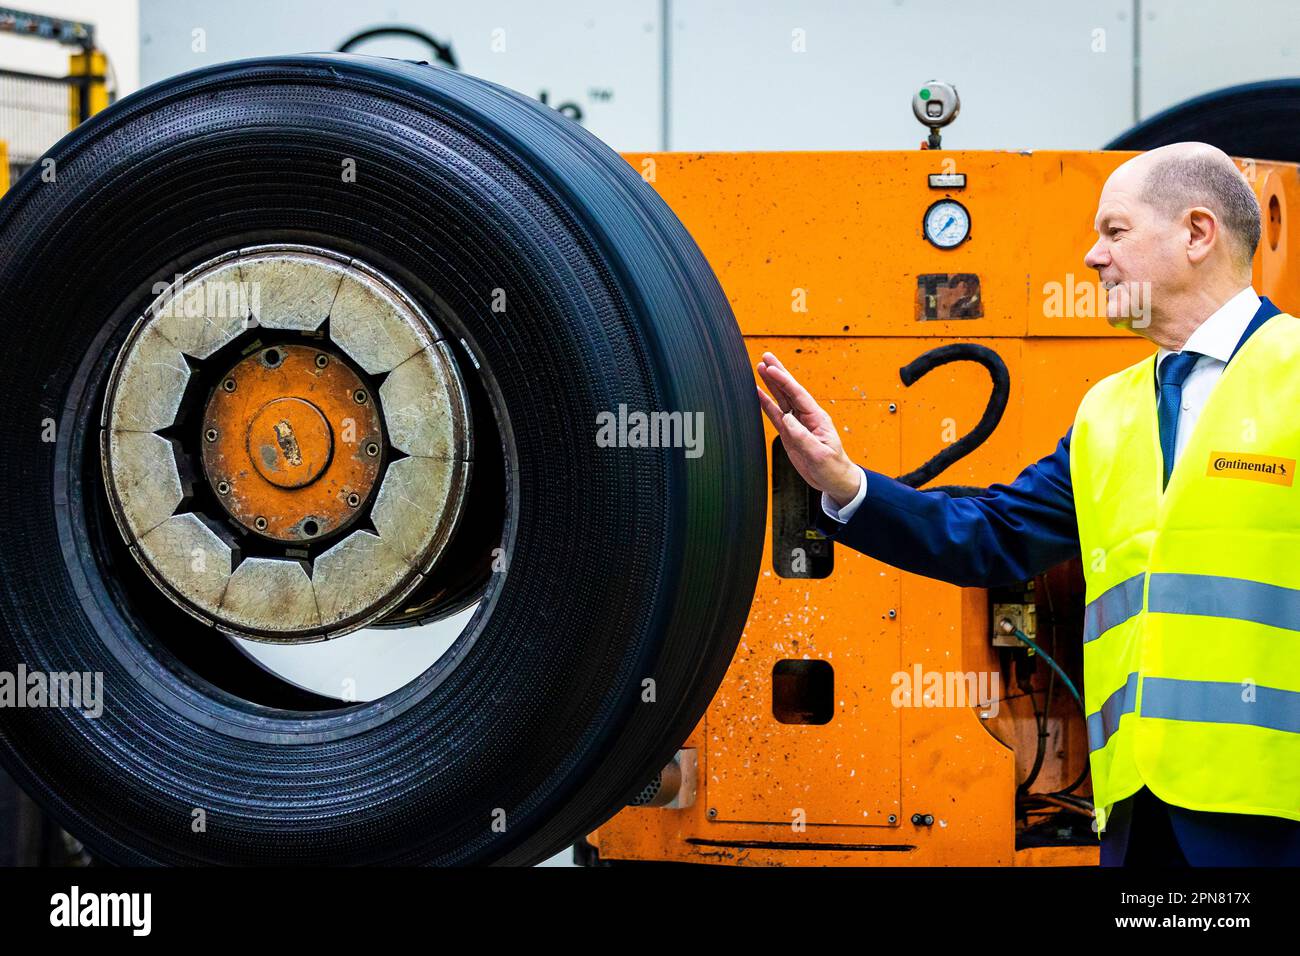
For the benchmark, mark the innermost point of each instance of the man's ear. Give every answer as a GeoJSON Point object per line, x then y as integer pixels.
{"type": "Point", "coordinates": [1202, 233]}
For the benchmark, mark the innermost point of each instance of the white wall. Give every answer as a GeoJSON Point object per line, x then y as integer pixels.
{"type": "Point", "coordinates": [600, 55]}
{"type": "Point", "coordinates": [1031, 74]}
{"type": "Point", "coordinates": [826, 74]}
{"type": "Point", "coordinates": [1194, 46]}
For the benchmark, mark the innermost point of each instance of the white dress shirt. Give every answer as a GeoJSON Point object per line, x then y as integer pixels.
{"type": "Point", "coordinates": [1215, 339]}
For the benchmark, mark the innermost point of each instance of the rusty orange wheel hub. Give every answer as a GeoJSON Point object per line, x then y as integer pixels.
{"type": "Point", "coordinates": [292, 442]}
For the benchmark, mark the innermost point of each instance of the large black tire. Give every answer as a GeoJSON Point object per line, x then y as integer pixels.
{"type": "Point", "coordinates": [1258, 120]}
{"type": "Point", "coordinates": [624, 565]}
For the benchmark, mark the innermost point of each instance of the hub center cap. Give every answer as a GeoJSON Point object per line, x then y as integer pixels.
{"type": "Point", "coordinates": [289, 442]}
{"type": "Point", "coordinates": [292, 442]}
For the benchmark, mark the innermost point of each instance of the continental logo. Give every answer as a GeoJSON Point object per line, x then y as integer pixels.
{"type": "Point", "coordinates": [1266, 468]}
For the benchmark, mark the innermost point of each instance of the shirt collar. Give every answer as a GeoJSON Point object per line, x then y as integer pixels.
{"type": "Point", "coordinates": [1218, 335]}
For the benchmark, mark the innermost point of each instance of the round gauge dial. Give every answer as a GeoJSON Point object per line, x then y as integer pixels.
{"type": "Point", "coordinates": [947, 223]}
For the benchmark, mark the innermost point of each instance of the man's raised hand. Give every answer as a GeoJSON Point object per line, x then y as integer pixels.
{"type": "Point", "coordinates": [807, 432]}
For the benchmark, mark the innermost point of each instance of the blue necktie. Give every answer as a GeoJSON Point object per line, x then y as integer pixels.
{"type": "Point", "coordinates": [1173, 372]}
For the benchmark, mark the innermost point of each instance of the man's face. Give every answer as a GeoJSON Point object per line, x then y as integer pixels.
{"type": "Point", "coordinates": [1135, 245]}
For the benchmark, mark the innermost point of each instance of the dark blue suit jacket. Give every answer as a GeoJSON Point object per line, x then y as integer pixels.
{"type": "Point", "coordinates": [1012, 533]}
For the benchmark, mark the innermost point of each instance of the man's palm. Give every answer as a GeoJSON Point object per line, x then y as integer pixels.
{"type": "Point", "coordinates": [807, 432]}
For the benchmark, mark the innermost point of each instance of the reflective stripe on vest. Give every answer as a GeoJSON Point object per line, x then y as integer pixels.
{"type": "Point", "coordinates": [1205, 594]}
{"type": "Point", "coordinates": [1114, 607]}
{"type": "Point", "coordinates": [1192, 624]}
{"type": "Point", "coordinates": [1103, 724]}
{"type": "Point", "coordinates": [1221, 703]}
{"type": "Point", "coordinates": [1208, 701]}
{"type": "Point", "coordinates": [1216, 596]}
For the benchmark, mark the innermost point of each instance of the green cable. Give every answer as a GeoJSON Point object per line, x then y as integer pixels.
{"type": "Point", "coordinates": [1020, 635]}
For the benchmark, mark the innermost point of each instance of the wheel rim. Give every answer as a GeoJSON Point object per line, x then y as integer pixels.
{"type": "Point", "coordinates": [286, 443]}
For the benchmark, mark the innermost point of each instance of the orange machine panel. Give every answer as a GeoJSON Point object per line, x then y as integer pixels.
{"type": "Point", "coordinates": [825, 262]}
{"type": "Point", "coordinates": [827, 776]}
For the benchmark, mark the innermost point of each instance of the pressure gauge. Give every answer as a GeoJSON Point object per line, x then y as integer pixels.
{"type": "Point", "coordinates": [947, 223]}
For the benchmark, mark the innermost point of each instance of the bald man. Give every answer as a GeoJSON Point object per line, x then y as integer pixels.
{"type": "Point", "coordinates": [1175, 485]}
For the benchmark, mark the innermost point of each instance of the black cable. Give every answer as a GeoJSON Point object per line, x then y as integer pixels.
{"type": "Point", "coordinates": [997, 404]}
{"type": "Point", "coordinates": [442, 52]}
{"type": "Point", "coordinates": [1041, 744]}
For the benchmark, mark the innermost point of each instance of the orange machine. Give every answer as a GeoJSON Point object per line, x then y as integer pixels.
{"type": "Point", "coordinates": [808, 755]}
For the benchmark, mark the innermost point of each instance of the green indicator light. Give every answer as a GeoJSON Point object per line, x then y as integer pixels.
{"type": "Point", "coordinates": [925, 93]}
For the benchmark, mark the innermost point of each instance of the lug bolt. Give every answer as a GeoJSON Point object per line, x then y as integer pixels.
{"type": "Point", "coordinates": [210, 434]}
{"type": "Point", "coordinates": [359, 396]}
{"type": "Point", "coordinates": [228, 385]}
{"type": "Point", "coordinates": [322, 361]}
{"type": "Point", "coordinates": [354, 499]}
{"type": "Point", "coordinates": [259, 523]}
{"type": "Point", "coordinates": [372, 449]}
{"type": "Point", "coordinates": [223, 487]}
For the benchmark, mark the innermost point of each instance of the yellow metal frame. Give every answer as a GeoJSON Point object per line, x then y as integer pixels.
{"type": "Point", "coordinates": [93, 64]}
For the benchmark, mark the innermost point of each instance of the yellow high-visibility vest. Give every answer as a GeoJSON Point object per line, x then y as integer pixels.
{"type": "Point", "coordinates": [1191, 655]}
